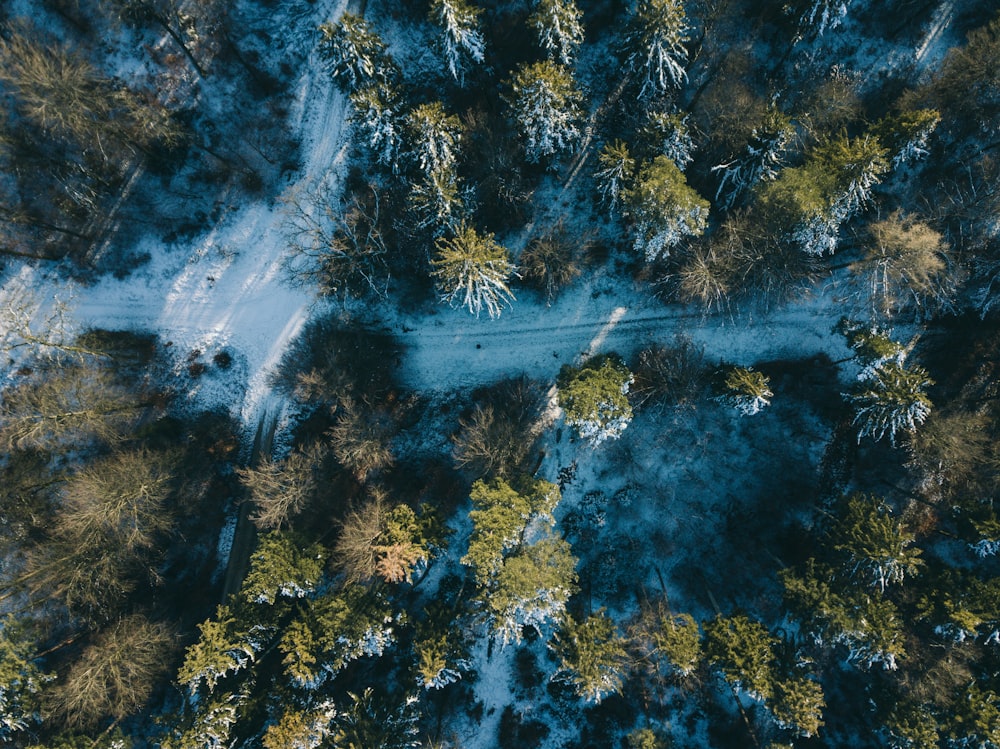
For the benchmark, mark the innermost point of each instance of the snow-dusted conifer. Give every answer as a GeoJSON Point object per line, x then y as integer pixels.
{"type": "Point", "coordinates": [377, 721]}
{"type": "Point", "coordinates": [745, 389]}
{"type": "Point", "coordinates": [759, 162]}
{"type": "Point", "coordinates": [858, 164]}
{"type": "Point", "coordinates": [436, 202]}
{"type": "Point", "coordinates": [21, 681]}
{"type": "Point", "coordinates": [877, 547]}
{"type": "Point", "coordinates": [875, 634]}
{"type": "Point", "coordinates": [666, 209]}
{"type": "Point", "coordinates": [743, 650]}
{"type": "Point", "coordinates": [211, 726]}
{"type": "Point", "coordinates": [670, 135]}
{"type": "Point", "coordinates": [472, 271]}
{"type": "Point", "coordinates": [893, 400]}
{"type": "Point", "coordinates": [440, 659]}
{"type": "Point", "coordinates": [546, 104]}
{"type": "Point", "coordinates": [355, 54]}
{"type": "Point", "coordinates": [282, 568]}
{"type": "Point", "coordinates": [376, 114]}
{"type": "Point", "coordinates": [654, 45]}
{"type": "Point", "coordinates": [798, 705]}
{"type": "Point", "coordinates": [557, 24]}
{"type": "Point", "coordinates": [433, 136]}
{"type": "Point", "coordinates": [462, 40]}
{"type": "Point", "coordinates": [873, 347]}
{"type": "Point", "coordinates": [531, 589]}
{"type": "Point", "coordinates": [615, 171]}
{"type": "Point", "coordinates": [226, 646]}
{"type": "Point", "coordinates": [819, 16]}
{"type": "Point", "coordinates": [592, 656]}
{"type": "Point", "coordinates": [908, 133]}
{"type": "Point", "coordinates": [300, 728]}
{"type": "Point", "coordinates": [594, 398]}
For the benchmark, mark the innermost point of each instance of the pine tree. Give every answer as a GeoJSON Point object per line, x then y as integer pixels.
{"type": "Point", "coordinates": [546, 104]}
{"type": "Point", "coordinates": [877, 547]}
{"type": "Point", "coordinates": [907, 134]}
{"type": "Point", "coordinates": [374, 721]}
{"type": "Point", "coordinates": [356, 55]}
{"type": "Point", "coordinates": [21, 681]}
{"type": "Point", "coordinates": [435, 202]}
{"type": "Point", "coordinates": [875, 634]}
{"type": "Point", "coordinates": [334, 630]}
{"type": "Point", "coordinates": [440, 659]}
{"type": "Point", "coordinates": [530, 589]}
{"type": "Point", "coordinates": [670, 135]}
{"type": "Point", "coordinates": [858, 165]}
{"type": "Point", "coordinates": [665, 209]}
{"type": "Point", "coordinates": [798, 704]}
{"type": "Point", "coordinates": [377, 117]}
{"type": "Point", "coordinates": [673, 640]}
{"type": "Point", "coordinates": [211, 724]}
{"type": "Point", "coordinates": [654, 45]}
{"type": "Point", "coordinates": [461, 41]}
{"type": "Point", "coordinates": [472, 271]}
{"type": "Point", "coordinates": [499, 517]}
{"type": "Point", "coordinates": [760, 161]}
{"type": "Point", "coordinates": [300, 729]}
{"type": "Point", "coordinates": [616, 169]}
{"type": "Point", "coordinates": [744, 388]}
{"type": "Point", "coordinates": [225, 647]}
{"type": "Point", "coordinates": [893, 400]}
{"type": "Point", "coordinates": [592, 656]}
{"type": "Point", "coordinates": [433, 136]}
{"type": "Point", "coordinates": [975, 721]}
{"type": "Point", "coordinates": [558, 27]}
{"type": "Point", "coordinates": [912, 726]}
{"type": "Point", "coordinates": [742, 649]}
{"type": "Point", "coordinates": [282, 567]}
{"type": "Point", "coordinates": [594, 398]}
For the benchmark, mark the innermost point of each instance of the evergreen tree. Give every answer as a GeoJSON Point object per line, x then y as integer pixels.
{"type": "Point", "coordinates": [594, 398]}
{"type": "Point", "coordinates": [472, 271]}
{"type": "Point", "coordinates": [300, 729]}
{"type": "Point", "coordinates": [499, 517]}
{"type": "Point", "coordinates": [654, 45]}
{"type": "Point", "coordinates": [377, 116]}
{"type": "Point", "coordinates": [742, 649]}
{"type": "Point", "coordinates": [907, 134]}
{"type": "Point", "coordinates": [557, 25]}
{"type": "Point", "coordinates": [227, 645]}
{"type": "Point", "coordinates": [530, 589]}
{"type": "Point", "coordinates": [893, 400]}
{"type": "Point", "coordinates": [744, 388]}
{"type": "Point", "coordinates": [592, 656]}
{"type": "Point", "coordinates": [546, 105]}
{"type": "Point", "coordinates": [461, 40]}
{"type": "Point", "coordinates": [334, 630]}
{"type": "Point", "coordinates": [211, 723]}
{"type": "Point", "coordinates": [760, 161]}
{"type": "Point", "coordinates": [858, 165]}
{"type": "Point", "coordinates": [374, 721]}
{"type": "Point", "coordinates": [912, 727]}
{"type": "Point", "coordinates": [21, 681]}
{"type": "Point", "coordinates": [818, 16]}
{"type": "Point", "coordinates": [615, 171]}
{"type": "Point", "coordinates": [435, 202]}
{"type": "Point", "coordinates": [670, 135]}
{"type": "Point", "coordinates": [875, 634]}
{"type": "Point", "coordinates": [433, 136]}
{"type": "Point", "coordinates": [798, 704]}
{"type": "Point", "coordinates": [355, 54]}
{"type": "Point", "coordinates": [877, 546]}
{"type": "Point", "coordinates": [665, 209]}
{"type": "Point", "coordinates": [976, 719]}
{"type": "Point", "coordinates": [811, 597]}
{"type": "Point", "coordinates": [282, 567]}
{"type": "Point", "coordinates": [671, 639]}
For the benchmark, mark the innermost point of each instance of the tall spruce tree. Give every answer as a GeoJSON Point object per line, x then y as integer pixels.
{"type": "Point", "coordinates": [558, 28]}
{"type": "Point", "coordinates": [546, 105]}
{"type": "Point", "coordinates": [665, 208]}
{"type": "Point", "coordinates": [473, 271]}
{"type": "Point", "coordinates": [355, 54]}
{"type": "Point", "coordinates": [461, 39]}
{"type": "Point", "coordinates": [654, 46]}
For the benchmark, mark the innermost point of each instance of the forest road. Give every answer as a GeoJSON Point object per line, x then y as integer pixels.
{"type": "Point", "coordinates": [453, 350]}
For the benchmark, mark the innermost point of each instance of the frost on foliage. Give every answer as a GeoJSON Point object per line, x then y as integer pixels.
{"type": "Point", "coordinates": [376, 115]}
{"type": "Point", "coordinates": [858, 164]}
{"type": "Point", "coordinates": [744, 389]}
{"type": "Point", "coordinates": [760, 161]}
{"type": "Point", "coordinates": [820, 16]}
{"type": "Point", "coordinates": [20, 682]}
{"type": "Point", "coordinates": [472, 271]}
{"type": "Point", "coordinates": [557, 25]}
{"type": "Point", "coordinates": [301, 729]}
{"type": "Point", "coordinates": [986, 547]}
{"type": "Point", "coordinates": [893, 400]}
{"type": "Point", "coordinates": [615, 170]}
{"type": "Point", "coordinates": [666, 210]}
{"type": "Point", "coordinates": [594, 398]}
{"type": "Point", "coordinates": [546, 104]}
{"type": "Point", "coordinates": [462, 41]}
{"type": "Point", "coordinates": [531, 589]}
{"type": "Point", "coordinates": [439, 661]}
{"type": "Point", "coordinates": [334, 631]}
{"type": "Point", "coordinates": [433, 135]}
{"type": "Point", "coordinates": [670, 135]}
{"type": "Point", "coordinates": [223, 649]}
{"type": "Point", "coordinates": [212, 725]}
{"type": "Point", "coordinates": [908, 134]}
{"type": "Point", "coordinates": [873, 347]}
{"type": "Point", "coordinates": [356, 56]}
{"type": "Point", "coordinates": [436, 202]}
{"type": "Point", "coordinates": [654, 46]}
{"type": "Point", "coordinates": [279, 568]}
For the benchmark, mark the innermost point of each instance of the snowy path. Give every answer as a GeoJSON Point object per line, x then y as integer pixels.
{"type": "Point", "coordinates": [453, 349]}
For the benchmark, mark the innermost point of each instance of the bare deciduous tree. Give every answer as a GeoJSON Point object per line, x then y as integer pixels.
{"type": "Point", "coordinates": [360, 438]}
{"type": "Point", "coordinates": [280, 490]}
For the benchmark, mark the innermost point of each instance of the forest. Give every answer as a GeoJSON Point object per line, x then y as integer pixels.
{"type": "Point", "coordinates": [470, 374]}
